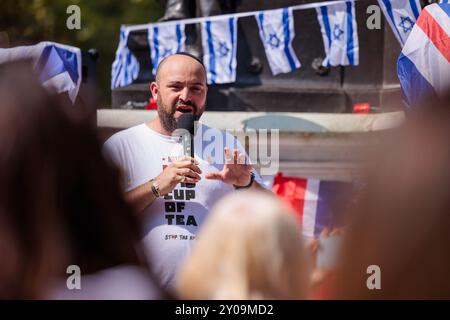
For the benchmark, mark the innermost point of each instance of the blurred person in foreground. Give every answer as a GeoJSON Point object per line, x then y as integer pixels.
{"type": "Point", "coordinates": [61, 203]}
{"type": "Point", "coordinates": [403, 219]}
{"type": "Point", "coordinates": [249, 248]}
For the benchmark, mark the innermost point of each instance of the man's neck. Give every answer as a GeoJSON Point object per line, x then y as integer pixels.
{"type": "Point", "coordinates": [156, 125]}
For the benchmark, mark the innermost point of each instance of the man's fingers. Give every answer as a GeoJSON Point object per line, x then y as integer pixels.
{"type": "Point", "coordinates": [235, 156]}
{"type": "Point", "coordinates": [187, 172]}
{"type": "Point", "coordinates": [190, 180]}
{"type": "Point", "coordinates": [241, 159]}
{"type": "Point", "coordinates": [214, 176]}
{"type": "Point", "coordinates": [228, 156]}
{"type": "Point", "coordinates": [185, 159]}
{"type": "Point", "coordinates": [187, 164]}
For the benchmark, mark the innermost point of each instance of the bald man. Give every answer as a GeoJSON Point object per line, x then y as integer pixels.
{"type": "Point", "coordinates": [172, 193]}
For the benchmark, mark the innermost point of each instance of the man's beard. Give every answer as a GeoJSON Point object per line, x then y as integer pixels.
{"type": "Point", "coordinates": [168, 120]}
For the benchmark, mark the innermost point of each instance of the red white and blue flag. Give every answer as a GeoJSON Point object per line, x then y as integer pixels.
{"type": "Point", "coordinates": [318, 203]}
{"type": "Point", "coordinates": [423, 67]}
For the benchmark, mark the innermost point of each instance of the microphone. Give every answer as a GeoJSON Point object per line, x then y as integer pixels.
{"type": "Point", "coordinates": [185, 129]}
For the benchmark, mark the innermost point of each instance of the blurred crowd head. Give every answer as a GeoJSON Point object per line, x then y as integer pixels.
{"type": "Point", "coordinates": [60, 202]}
{"type": "Point", "coordinates": [402, 221]}
{"type": "Point", "coordinates": [250, 247]}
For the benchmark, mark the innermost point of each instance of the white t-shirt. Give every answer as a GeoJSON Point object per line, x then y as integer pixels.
{"type": "Point", "coordinates": [171, 222]}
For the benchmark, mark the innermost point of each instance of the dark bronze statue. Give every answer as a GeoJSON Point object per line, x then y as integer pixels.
{"type": "Point", "coordinates": [184, 9]}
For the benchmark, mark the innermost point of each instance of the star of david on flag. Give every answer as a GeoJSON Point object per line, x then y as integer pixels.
{"type": "Point", "coordinates": [219, 40]}
{"type": "Point", "coordinates": [401, 16]}
{"type": "Point", "coordinates": [339, 33]}
{"type": "Point", "coordinates": [276, 30]}
{"type": "Point", "coordinates": [165, 40]}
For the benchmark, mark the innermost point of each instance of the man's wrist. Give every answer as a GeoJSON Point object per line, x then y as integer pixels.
{"type": "Point", "coordinates": [155, 188]}
{"type": "Point", "coordinates": [252, 179]}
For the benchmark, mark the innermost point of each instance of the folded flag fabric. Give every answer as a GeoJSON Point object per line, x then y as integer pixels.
{"type": "Point", "coordinates": [318, 203]}
{"type": "Point", "coordinates": [401, 16]}
{"type": "Point", "coordinates": [165, 40]}
{"type": "Point", "coordinates": [219, 39]}
{"type": "Point", "coordinates": [423, 66]}
{"type": "Point", "coordinates": [58, 66]}
{"type": "Point", "coordinates": [276, 30]}
{"type": "Point", "coordinates": [339, 32]}
{"type": "Point", "coordinates": [125, 68]}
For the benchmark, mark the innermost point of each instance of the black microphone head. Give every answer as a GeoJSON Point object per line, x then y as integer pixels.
{"type": "Point", "coordinates": [186, 121]}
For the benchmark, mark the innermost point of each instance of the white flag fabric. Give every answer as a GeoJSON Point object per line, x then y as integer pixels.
{"type": "Point", "coordinates": [58, 66]}
{"type": "Point", "coordinates": [165, 40]}
{"type": "Point", "coordinates": [401, 16]}
{"type": "Point", "coordinates": [125, 67]}
{"type": "Point", "coordinates": [276, 29]}
{"type": "Point", "coordinates": [219, 39]}
{"type": "Point", "coordinates": [339, 33]}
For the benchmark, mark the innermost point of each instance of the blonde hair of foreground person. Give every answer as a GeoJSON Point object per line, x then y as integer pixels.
{"type": "Point", "coordinates": [250, 247]}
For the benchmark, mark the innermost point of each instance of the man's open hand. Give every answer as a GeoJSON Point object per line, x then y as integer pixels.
{"type": "Point", "coordinates": [235, 171]}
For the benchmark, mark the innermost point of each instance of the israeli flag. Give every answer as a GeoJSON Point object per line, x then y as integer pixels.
{"type": "Point", "coordinates": [401, 16]}
{"type": "Point", "coordinates": [125, 67]}
{"type": "Point", "coordinates": [219, 39]}
{"type": "Point", "coordinates": [339, 33]}
{"type": "Point", "coordinates": [276, 29]}
{"type": "Point", "coordinates": [165, 40]}
{"type": "Point", "coordinates": [58, 66]}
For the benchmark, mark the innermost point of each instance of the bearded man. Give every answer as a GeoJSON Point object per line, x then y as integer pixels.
{"type": "Point", "coordinates": [173, 193]}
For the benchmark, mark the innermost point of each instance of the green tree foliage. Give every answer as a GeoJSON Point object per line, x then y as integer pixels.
{"type": "Point", "coordinates": [30, 21]}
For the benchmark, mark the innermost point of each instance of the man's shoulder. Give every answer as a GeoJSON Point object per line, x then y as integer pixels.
{"type": "Point", "coordinates": [126, 134]}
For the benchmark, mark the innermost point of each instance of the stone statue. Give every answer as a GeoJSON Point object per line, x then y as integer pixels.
{"type": "Point", "coordinates": [185, 9]}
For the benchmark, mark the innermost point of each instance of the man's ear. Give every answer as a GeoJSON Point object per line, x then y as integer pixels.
{"type": "Point", "coordinates": [154, 90]}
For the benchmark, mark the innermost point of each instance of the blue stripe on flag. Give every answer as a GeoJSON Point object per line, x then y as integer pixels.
{"type": "Point", "coordinates": [287, 38]}
{"type": "Point", "coordinates": [446, 7]}
{"type": "Point", "coordinates": [230, 66]}
{"type": "Point", "coordinates": [127, 64]}
{"type": "Point", "coordinates": [326, 24]}
{"type": "Point", "coordinates": [178, 30]}
{"type": "Point", "coordinates": [212, 61]}
{"type": "Point", "coordinates": [350, 33]}
{"type": "Point", "coordinates": [323, 211]}
{"type": "Point", "coordinates": [388, 6]}
{"type": "Point", "coordinates": [156, 48]}
{"type": "Point", "coordinates": [116, 79]}
{"type": "Point", "coordinates": [413, 5]}
{"type": "Point", "coordinates": [414, 86]}
{"type": "Point", "coordinates": [331, 198]}
{"type": "Point", "coordinates": [261, 22]}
